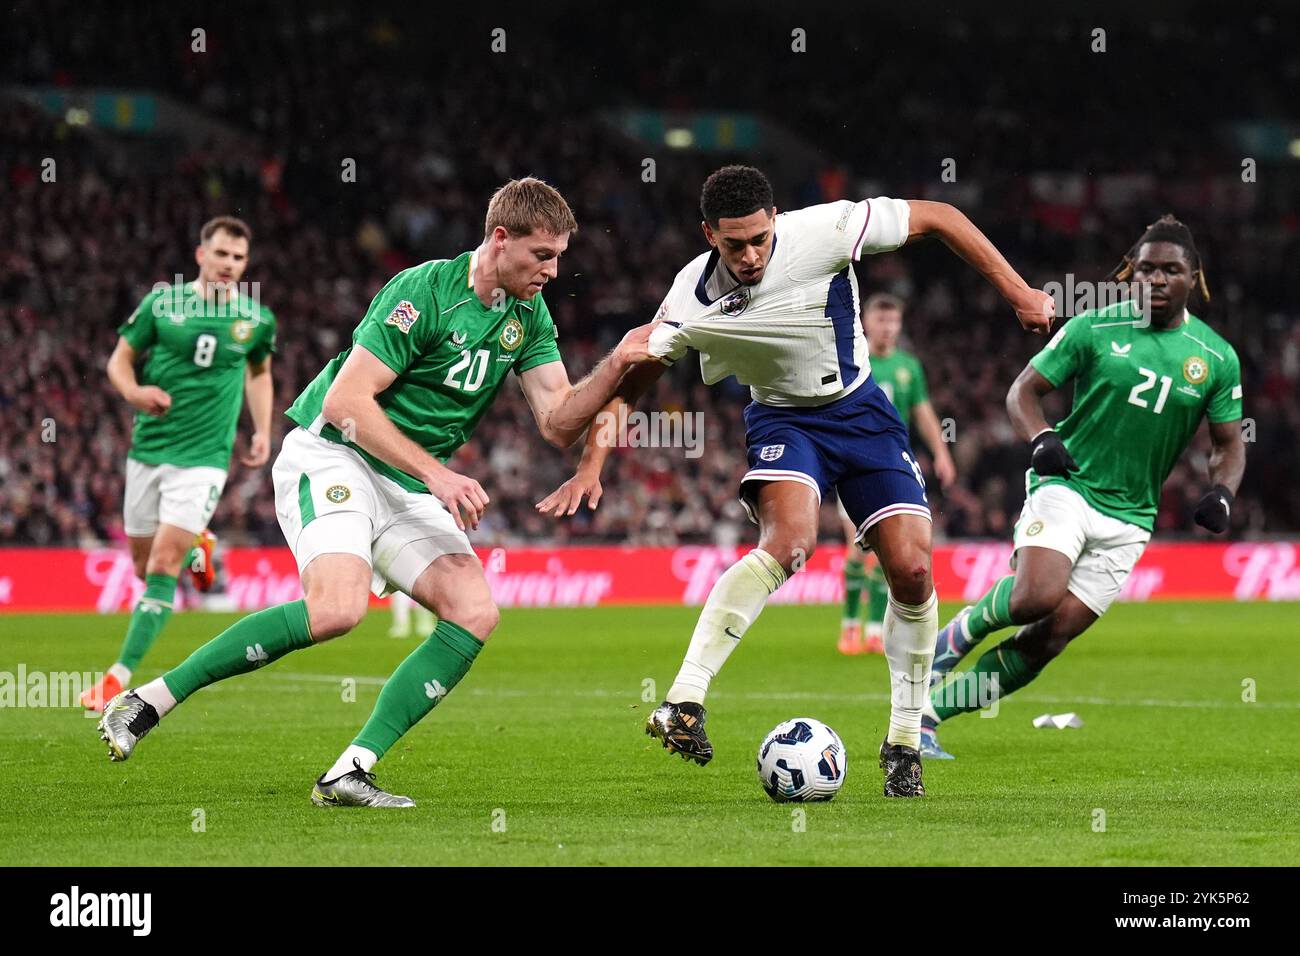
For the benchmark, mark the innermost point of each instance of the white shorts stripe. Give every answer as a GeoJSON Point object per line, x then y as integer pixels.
{"type": "Point", "coordinates": [774, 474]}
{"type": "Point", "coordinates": [903, 508]}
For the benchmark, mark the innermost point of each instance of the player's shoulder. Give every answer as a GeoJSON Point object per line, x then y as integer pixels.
{"type": "Point", "coordinates": [1109, 316]}
{"type": "Point", "coordinates": [162, 298]}
{"type": "Point", "coordinates": [168, 293]}
{"type": "Point", "coordinates": [535, 307]}
{"type": "Point", "coordinates": [1203, 333]}
{"type": "Point", "coordinates": [252, 308]}
{"type": "Point", "coordinates": [816, 217]}
{"type": "Point", "coordinates": [436, 277]}
{"type": "Point", "coordinates": [691, 276]}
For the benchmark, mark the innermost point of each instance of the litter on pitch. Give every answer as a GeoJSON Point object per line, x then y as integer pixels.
{"type": "Point", "coordinates": [1059, 721]}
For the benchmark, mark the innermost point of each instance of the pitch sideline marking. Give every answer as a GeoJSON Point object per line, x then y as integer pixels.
{"type": "Point", "coordinates": [800, 695]}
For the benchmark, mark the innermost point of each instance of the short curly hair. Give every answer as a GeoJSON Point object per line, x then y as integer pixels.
{"type": "Point", "coordinates": [733, 192]}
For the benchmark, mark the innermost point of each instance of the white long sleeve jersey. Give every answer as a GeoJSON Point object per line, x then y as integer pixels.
{"type": "Point", "coordinates": [793, 337]}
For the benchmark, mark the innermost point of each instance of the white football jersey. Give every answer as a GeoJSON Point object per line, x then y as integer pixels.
{"type": "Point", "coordinates": [794, 338]}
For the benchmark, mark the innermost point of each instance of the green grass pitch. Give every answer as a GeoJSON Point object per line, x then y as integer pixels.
{"type": "Point", "coordinates": [544, 739]}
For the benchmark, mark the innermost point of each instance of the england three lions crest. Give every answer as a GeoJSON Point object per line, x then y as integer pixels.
{"type": "Point", "coordinates": [735, 303]}
{"type": "Point", "coordinates": [771, 452]}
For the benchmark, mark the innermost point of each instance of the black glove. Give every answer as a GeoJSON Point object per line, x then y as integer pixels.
{"type": "Point", "coordinates": [1049, 457]}
{"type": "Point", "coordinates": [1213, 510]}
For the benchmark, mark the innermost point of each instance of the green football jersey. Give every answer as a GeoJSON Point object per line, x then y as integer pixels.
{"type": "Point", "coordinates": [451, 354]}
{"type": "Point", "coordinates": [197, 352]}
{"type": "Point", "coordinates": [1139, 395]}
{"type": "Point", "coordinates": [901, 377]}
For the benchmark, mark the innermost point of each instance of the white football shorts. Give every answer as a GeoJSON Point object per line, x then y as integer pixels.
{"type": "Point", "coordinates": [330, 501]}
{"type": "Point", "coordinates": [1103, 549]}
{"type": "Point", "coordinates": [169, 494]}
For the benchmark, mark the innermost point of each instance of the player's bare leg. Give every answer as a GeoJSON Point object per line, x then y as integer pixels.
{"type": "Point", "coordinates": [911, 622]}
{"type": "Point", "coordinates": [157, 559]}
{"type": "Point", "coordinates": [454, 587]}
{"type": "Point", "coordinates": [787, 513]}
{"type": "Point", "coordinates": [1006, 668]}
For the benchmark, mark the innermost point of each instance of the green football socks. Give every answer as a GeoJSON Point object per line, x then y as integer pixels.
{"type": "Point", "coordinates": [855, 578]}
{"type": "Point", "coordinates": [246, 645]}
{"type": "Point", "coordinates": [992, 612]}
{"type": "Point", "coordinates": [996, 674]}
{"type": "Point", "coordinates": [148, 619]}
{"type": "Point", "coordinates": [426, 676]}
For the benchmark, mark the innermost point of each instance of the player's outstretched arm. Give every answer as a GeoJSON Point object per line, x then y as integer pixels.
{"type": "Point", "coordinates": [601, 439]}
{"type": "Point", "coordinates": [1227, 465]}
{"type": "Point", "coordinates": [149, 399]}
{"type": "Point", "coordinates": [259, 392]}
{"type": "Point", "coordinates": [1048, 454]}
{"type": "Point", "coordinates": [563, 411]}
{"type": "Point", "coordinates": [1034, 308]}
{"type": "Point", "coordinates": [351, 407]}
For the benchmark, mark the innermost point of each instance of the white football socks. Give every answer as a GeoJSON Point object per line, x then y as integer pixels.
{"type": "Point", "coordinates": [734, 603]}
{"type": "Point", "coordinates": [122, 673]}
{"type": "Point", "coordinates": [343, 765]}
{"type": "Point", "coordinates": [156, 693]}
{"type": "Point", "coordinates": [910, 634]}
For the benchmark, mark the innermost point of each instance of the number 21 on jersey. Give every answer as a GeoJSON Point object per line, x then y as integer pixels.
{"type": "Point", "coordinates": [1148, 382]}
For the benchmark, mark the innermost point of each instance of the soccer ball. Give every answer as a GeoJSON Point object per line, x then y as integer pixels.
{"type": "Point", "coordinates": [802, 760]}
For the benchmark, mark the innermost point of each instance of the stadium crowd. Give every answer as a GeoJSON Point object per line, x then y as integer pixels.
{"type": "Point", "coordinates": [123, 213]}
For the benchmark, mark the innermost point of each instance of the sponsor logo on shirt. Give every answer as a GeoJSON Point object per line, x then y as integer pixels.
{"type": "Point", "coordinates": [512, 336]}
{"type": "Point", "coordinates": [458, 339]}
{"type": "Point", "coordinates": [1120, 350]}
{"type": "Point", "coordinates": [403, 316]}
{"type": "Point", "coordinates": [1195, 370]}
{"type": "Point", "coordinates": [735, 303]}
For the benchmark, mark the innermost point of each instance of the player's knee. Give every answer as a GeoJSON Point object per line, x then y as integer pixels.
{"type": "Point", "coordinates": [159, 564]}
{"type": "Point", "coordinates": [792, 551]}
{"type": "Point", "coordinates": [164, 559]}
{"type": "Point", "coordinates": [334, 614]}
{"type": "Point", "coordinates": [908, 572]}
{"type": "Point", "coordinates": [479, 618]}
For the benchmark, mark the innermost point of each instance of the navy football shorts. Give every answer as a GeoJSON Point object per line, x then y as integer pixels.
{"type": "Point", "coordinates": [856, 444]}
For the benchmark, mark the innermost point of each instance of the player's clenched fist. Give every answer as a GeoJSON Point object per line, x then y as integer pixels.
{"type": "Point", "coordinates": [635, 347]}
{"type": "Point", "coordinates": [1036, 311]}
{"type": "Point", "coordinates": [151, 400]}
{"type": "Point", "coordinates": [457, 492]}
